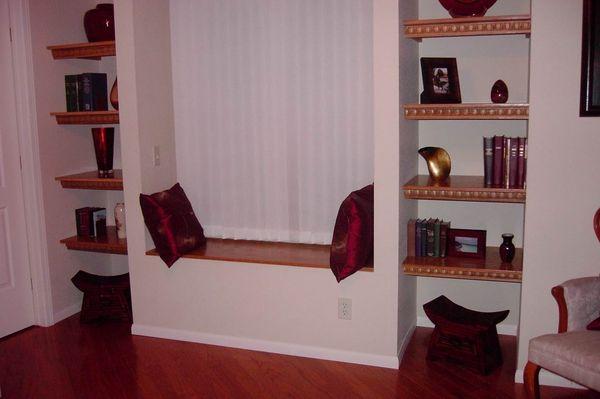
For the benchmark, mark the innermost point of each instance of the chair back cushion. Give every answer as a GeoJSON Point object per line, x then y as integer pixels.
{"type": "Point", "coordinates": [582, 296]}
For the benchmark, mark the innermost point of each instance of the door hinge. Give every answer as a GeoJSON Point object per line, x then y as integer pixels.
{"type": "Point", "coordinates": [20, 163]}
{"type": "Point", "coordinates": [31, 282]}
{"type": "Point", "coordinates": [10, 34]}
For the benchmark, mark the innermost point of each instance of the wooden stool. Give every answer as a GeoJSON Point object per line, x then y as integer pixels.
{"type": "Point", "coordinates": [463, 335]}
{"type": "Point", "coordinates": [104, 296]}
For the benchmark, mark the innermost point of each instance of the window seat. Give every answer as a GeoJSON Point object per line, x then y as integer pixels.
{"type": "Point", "coordinates": [263, 252]}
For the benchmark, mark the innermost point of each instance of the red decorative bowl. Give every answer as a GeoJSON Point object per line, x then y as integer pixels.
{"type": "Point", "coordinates": [467, 8]}
{"type": "Point", "coordinates": [99, 23]}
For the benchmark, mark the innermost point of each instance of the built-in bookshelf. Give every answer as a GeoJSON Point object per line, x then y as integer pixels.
{"type": "Point", "coordinates": [87, 118]}
{"type": "Point", "coordinates": [466, 111]}
{"type": "Point", "coordinates": [481, 26]}
{"type": "Point", "coordinates": [109, 243]}
{"type": "Point", "coordinates": [91, 51]}
{"type": "Point", "coordinates": [91, 181]}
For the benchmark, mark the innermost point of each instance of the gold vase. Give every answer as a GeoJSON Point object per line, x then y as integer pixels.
{"type": "Point", "coordinates": [438, 162]}
{"type": "Point", "coordinates": [114, 95]}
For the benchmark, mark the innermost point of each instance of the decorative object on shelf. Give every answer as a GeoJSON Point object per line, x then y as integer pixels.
{"type": "Point", "coordinates": [467, 8]}
{"type": "Point", "coordinates": [90, 222]}
{"type": "Point", "coordinates": [464, 243]}
{"type": "Point", "coordinates": [507, 248]}
{"type": "Point", "coordinates": [589, 103]}
{"type": "Point", "coordinates": [120, 220]}
{"type": "Point", "coordinates": [438, 162]}
{"type": "Point", "coordinates": [104, 139]}
{"type": "Point", "coordinates": [597, 223]}
{"type": "Point", "coordinates": [99, 23]}
{"type": "Point", "coordinates": [114, 95]}
{"type": "Point", "coordinates": [440, 81]}
{"type": "Point", "coordinates": [499, 93]}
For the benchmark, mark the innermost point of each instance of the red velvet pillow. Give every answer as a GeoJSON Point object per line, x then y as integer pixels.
{"type": "Point", "coordinates": [594, 325]}
{"type": "Point", "coordinates": [172, 223]}
{"type": "Point", "coordinates": [352, 243]}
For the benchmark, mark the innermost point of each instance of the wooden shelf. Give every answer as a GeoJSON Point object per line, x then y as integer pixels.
{"type": "Point", "coordinates": [490, 269]}
{"type": "Point", "coordinates": [263, 252]}
{"type": "Point", "coordinates": [466, 111]}
{"type": "Point", "coordinates": [91, 181]}
{"type": "Point", "coordinates": [460, 188]}
{"type": "Point", "coordinates": [110, 244]}
{"type": "Point", "coordinates": [481, 26]}
{"type": "Point", "coordinates": [92, 51]}
{"type": "Point", "coordinates": [87, 118]}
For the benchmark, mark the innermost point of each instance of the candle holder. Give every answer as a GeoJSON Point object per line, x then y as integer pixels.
{"type": "Point", "coordinates": [104, 140]}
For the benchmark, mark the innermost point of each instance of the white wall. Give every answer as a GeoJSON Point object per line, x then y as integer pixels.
{"type": "Point", "coordinates": [286, 309]}
{"type": "Point", "coordinates": [65, 149]}
{"type": "Point", "coordinates": [481, 61]}
{"type": "Point", "coordinates": [563, 194]}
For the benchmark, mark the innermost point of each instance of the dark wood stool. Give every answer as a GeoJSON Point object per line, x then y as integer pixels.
{"type": "Point", "coordinates": [104, 296]}
{"type": "Point", "coordinates": [463, 335]}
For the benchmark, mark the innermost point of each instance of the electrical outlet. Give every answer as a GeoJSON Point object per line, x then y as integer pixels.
{"type": "Point", "coordinates": [345, 308]}
{"type": "Point", "coordinates": [156, 155]}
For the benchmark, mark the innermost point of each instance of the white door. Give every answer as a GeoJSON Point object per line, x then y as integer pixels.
{"type": "Point", "coordinates": [16, 299]}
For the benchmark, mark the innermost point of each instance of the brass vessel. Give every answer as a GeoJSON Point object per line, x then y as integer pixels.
{"type": "Point", "coordinates": [438, 162]}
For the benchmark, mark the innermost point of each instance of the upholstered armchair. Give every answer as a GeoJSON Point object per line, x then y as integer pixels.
{"type": "Point", "coordinates": [574, 352]}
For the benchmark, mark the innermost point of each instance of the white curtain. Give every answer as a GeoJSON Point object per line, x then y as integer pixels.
{"type": "Point", "coordinates": [273, 113]}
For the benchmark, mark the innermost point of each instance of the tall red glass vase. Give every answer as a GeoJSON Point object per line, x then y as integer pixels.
{"type": "Point", "coordinates": [104, 140]}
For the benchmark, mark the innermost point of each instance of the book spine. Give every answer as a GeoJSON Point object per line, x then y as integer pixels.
{"type": "Point", "coordinates": [71, 93]}
{"type": "Point", "coordinates": [488, 160]}
{"type": "Point", "coordinates": [410, 238]}
{"type": "Point", "coordinates": [82, 221]}
{"type": "Point", "coordinates": [506, 166]}
{"type": "Point", "coordinates": [436, 238]}
{"type": "Point", "coordinates": [430, 237]}
{"type": "Point", "coordinates": [444, 226]}
{"type": "Point", "coordinates": [497, 158]}
{"type": "Point", "coordinates": [99, 92]}
{"type": "Point", "coordinates": [418, 237]}
{"type": "Point", "coordinates": [84, 92]}
{"type": "Point", "coordinates": [525, 166]}
{"type": "Point", "coordinates": [424, 237]}
{"type": "Point", "coordinates": [520, 162]}
{"type": "Point", "coordinates": [514, 149]}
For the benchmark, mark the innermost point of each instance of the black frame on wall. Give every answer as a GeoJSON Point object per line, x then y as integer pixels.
{"type": "Point", "coordinates": [589, 104]}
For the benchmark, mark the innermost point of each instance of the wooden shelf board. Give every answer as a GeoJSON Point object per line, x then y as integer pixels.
{"type": "Point", "coordinates": [93, 51]}
{"type": "Point", "coordinates": [466, 111]}
{"type": "Point", "coordinates": [469, 26]}
{"type": "Point", "coordinates": [460, 188]}
{"type": "Point", "coordinates": [263, 252]}
{"type": "Point", "coordinates": [87, 118]}
{"type": "Point", "coordinates": [110, 244]}
{"type": "Point", "coordinates": [490, 269]}
{"type": "Point", "coordinates": [91, 181]}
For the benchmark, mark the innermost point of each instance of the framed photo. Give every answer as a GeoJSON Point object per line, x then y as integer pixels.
{"type": "Point", "coordinates": [463, 243]}
{"type": "Point", "coordinates": [589, 103]}
{"type": "Point", "coordinates": [440, 81]}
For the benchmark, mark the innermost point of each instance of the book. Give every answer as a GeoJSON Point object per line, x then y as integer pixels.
{"type": "Point", "coordinates": [82, 221]}
{"type": "Point", "coordinates": [488, 160]}
{"type": "Point", "coordinates": [506, 161]}
{"type": "Point", "coordinates": [92, 92]}
{"type": "Point", "coordinates": [513, 151]}
{"type": "Point", "coordinates": [410, 237]}
{"type": "Point", "coordinates": [520, 162]}
{"type": "Point", "coordinates": [98, 220]}
{"type": "Point", "coordinates": [444, 227]}
{"type": "Point", "coordinates": [90, 221]}
{"type": "Point", "coordinates": [418, 237]}
{"type": "Point", "coordinates": [71, 93]}
{"type": "Point", "coordinates": [498, 157]}
{"type": "Point", "coordinates": [525, 166]}
{"type": "Point", "coordinates": [423, 237]}
{"type": "Point", "coordinates": [430, 236]}
{"type": "Point", "coordinates": [436, 238]}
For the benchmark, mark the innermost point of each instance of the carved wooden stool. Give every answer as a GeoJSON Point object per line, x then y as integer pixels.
{"type": "Point", "coordinates": [104, 296]}
{"type": "Point", "coordinates": [463, 335]}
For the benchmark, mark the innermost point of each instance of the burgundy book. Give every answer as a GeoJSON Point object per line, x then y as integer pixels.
{"type": "Point", "coordinates": [525, 166]}
{"type": "Point", "coordinates": [418, 237]}
{"type": "Point", "coordinates": [410, 236]}
{"type": "Point", "coordinates": [498, 160]}
{"type": "Point", "coordinates": [512, 175]}
{"type": "Point", "coordinates": [521, 162]}
{"type": "Point", "coordinates": [506, 161]}
{"type": "Point", "coordinates": [488, 160]}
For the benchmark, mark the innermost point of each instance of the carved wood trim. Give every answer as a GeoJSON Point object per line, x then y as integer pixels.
{"type": "Point", "coordinates": [91, 181]}
{"type": "Point", "coordinates": [93, 51]}
{"type": "Point", "coordinates": [87, 118]}
{"type": "Point", "coordinates": [464, 273]}
{"type": "Point", "coordinates": [467, 111]}
{"type": "Point", "coordinates": [558, 293]}
{"type": "Point", "coordinates": [483, 26]}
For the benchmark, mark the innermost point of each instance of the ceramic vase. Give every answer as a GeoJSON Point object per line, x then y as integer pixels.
{"type": "Point", "coordinates": [120, 220]}
{"type": "Point", "coordinates": [114, 95]}
{"type": "Point", "coordinates": [438, 162]}
{"type": "Point", "coordinates": [499, 93]}
{"type": "Point", "coordinates": [507, 248]}
{"type": "Point", "coordinates": [99, 23]}
{"type": "Point", "coordinates": [104, 140]}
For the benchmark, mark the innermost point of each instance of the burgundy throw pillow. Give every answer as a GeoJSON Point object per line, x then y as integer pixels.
{"type": "Point", "coordinates": [352, 243]}
{"type": "Point", "coordinates": [594, 325]}
{"type": "Point", "coordinates": [172, 223]}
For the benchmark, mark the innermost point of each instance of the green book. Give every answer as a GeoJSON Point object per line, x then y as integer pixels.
{"type": "Point", "coordinates": [71, 93]}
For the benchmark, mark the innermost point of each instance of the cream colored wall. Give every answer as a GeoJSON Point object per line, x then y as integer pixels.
{"type": "Point", "coordinates": [248, 302]}
{"type": "Point", "coordinates": [481, 61]}
{"type": "Point", "coordinates": [64, 149]}
{"type": "Point", "coordinates": [563, 193]}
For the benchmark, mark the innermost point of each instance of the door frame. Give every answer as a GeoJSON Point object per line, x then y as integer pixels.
{"type": "Point", "coordinates": [30, 159]}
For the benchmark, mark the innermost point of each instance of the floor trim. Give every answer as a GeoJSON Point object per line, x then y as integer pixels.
{"type": "Point", "coordinates": [67, 312]}
{"type": "Point", "coordinates": [267, 346]}
{"type": "Point", "coordinates": [503, 329]}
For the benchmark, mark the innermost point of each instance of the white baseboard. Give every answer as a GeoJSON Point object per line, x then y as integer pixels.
{"type": "Point", "coordinates": [503, 329]}
{"type": "Point", "coordinates": [67, 312]}
{"type": "Point", "coordinates": [405, 341]}
{"type": "Point", "coordinates": [550, 379]}
{"type": "Point", "coordinates": [267, 346]}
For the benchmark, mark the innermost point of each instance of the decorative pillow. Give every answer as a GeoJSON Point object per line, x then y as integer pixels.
{"type": "Point", "coordinates": [172, 223]}
{"type": "Point", "coordinates": [352, 243]}
{"type": "Point", "coordinates": [594, 325]}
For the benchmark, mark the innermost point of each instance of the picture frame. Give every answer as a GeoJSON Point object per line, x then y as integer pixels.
{"type": "Point", "coordinates": [589, 103]}
{"type": "Point", "coordinates": [440, 81]}
{"type": "Point", "coordinates": [465, 243]}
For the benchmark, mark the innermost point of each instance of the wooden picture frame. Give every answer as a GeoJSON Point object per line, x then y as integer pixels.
{"type": "Point", "coordinates": [589, 103]}
{"type": "Point", "coordinates": [464, 243]}
{"type": "Point", "coordinates": [440, 81]}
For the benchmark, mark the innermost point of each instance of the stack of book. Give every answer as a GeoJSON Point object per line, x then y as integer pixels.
{"type": "Point", "coordinates": [86, 92]}
{"type": "Point", "coordinates": [427, 237]}
{"type": "Point", "coordinates": [505, 161]}
{"type": "Point", "coordinates": [90, 221]}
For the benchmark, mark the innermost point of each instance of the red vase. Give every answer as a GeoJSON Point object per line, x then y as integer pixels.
{"type": "Point", "coordinates": [104, 139]}
{"type": "Point", "coordinates": [507, 248]}
{"type": "Point", "coordinates": [499, 93]}
{"type": "Point", "coordinates": [467, 8]}
{"type": "Point", "coordinates": [99, 23]}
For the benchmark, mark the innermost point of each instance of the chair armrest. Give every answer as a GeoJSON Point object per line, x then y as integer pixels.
{"type": "Point", "coordinates": [578, 303]}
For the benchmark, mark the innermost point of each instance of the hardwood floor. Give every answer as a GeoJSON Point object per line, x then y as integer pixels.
{"type": "Point", "coordinates": [70, 360]}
